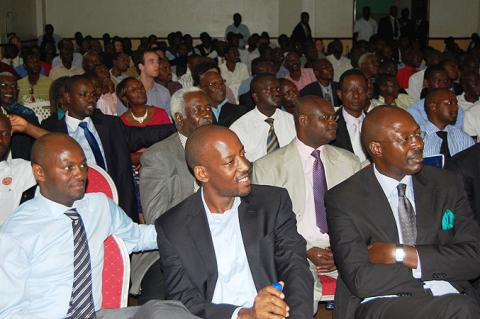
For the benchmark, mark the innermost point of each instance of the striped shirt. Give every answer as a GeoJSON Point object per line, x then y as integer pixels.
{"type": "Point", "coordinates": [458, 140]}
{"type": "Point", "coordinates": [417, 110]}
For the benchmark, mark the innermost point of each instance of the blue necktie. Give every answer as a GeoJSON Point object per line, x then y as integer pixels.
{"type": "Point", "coordinates": [81, 300]}
{"type": "Point", "coordinates": [92, 141]}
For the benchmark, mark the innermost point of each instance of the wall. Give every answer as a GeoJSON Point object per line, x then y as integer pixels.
{"type": "Point", "coordinates": [140, 18]}
{"type": "Point", "coordinates": [289, 15]}
{"type": "Point", "coordinates": [18, 16]}
{"type": "Point", "coordinates": [333, 18]}
{"type": "Point", "coordinates": [457, 18]}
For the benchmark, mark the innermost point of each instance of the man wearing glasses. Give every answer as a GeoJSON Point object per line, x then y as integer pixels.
{"type": "Point", "coordinates": [307, 167]}
{"type": "Point", "coordinates": [403, 235]}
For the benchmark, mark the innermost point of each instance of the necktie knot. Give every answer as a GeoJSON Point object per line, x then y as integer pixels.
{"type": "Point", "coordinates": [442, 135]}
{"type": "Point", "coordinates": [316, 154]}
{"type": "Point", "coordinates": [269, 121]}
{"type": "Point", "coordinates": [401, 189]}
{"type": "Point", "coordinates": [72, 214]}
{"type": "Point", "coordinates": [83, 125]}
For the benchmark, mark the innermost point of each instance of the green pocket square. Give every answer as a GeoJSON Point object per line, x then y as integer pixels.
{"type": "Point", "coordinates": [448, 220]}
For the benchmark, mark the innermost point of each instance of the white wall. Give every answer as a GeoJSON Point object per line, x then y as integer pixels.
{"type": "Point", "coordinates": [457, 18]}
{"type": "Point", "coordinates": [18, 16]}
{"type": "Point", "coordinates": [136, 18]}
{"type": "Point", "coordinates": [333, 18]}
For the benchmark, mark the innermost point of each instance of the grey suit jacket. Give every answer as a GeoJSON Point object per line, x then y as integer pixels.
{"type": "Point", "coordinates": [164, 182]}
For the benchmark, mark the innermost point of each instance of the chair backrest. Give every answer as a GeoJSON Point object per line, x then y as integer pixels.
{"type": "Point", "coordinates": [116, 273]}
{"type": "Point", "coordinates": [329, 285]}
{"type": "Point", "coordinates": [98, 181]}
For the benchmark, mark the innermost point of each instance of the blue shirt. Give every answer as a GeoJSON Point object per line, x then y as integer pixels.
{"type": "Point", "coordinates": [22, 72]}
{"type": "Point", "coordinates": [36, 245]}
{"type": "Point", "coordinates": [218, 109]}
{"type": "Point", "coordinates": [417, 110]}
{"type": "Point", "coordinates": [23, 111]}
{"type": "Point", "coordinates": [457, 139]}
{"type": "Point", "coordinates": [245, 86]}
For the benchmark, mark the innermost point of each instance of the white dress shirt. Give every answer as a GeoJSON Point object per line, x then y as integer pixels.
{"type": "Point", "coordinates": [16, 176]}
{"type": "Point", "coordinates": [78, 134]}
{"type": "Point", "coordinates": [365, 28]}
{"type": "Point", "coordinates": [252, 130]}
{"type": "Point", "coordinates": [77, 60]}
{"type": "Point", "coordinates": [235, 285]}
{"type": "Point", "coordinates": [464, 104]}
{"type": "Point", "coordinates": [471, 120]}
{"type": "Point", "coordinates": [415, 85]}
{"type": "Point", "coordinates": [339, 66]}
{"type": "Point", "coordinates": [354, 128]}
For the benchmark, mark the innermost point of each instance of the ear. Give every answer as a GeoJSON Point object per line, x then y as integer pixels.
{"type": "Point", "coordinates": [254, 96]}
{"type": "Point", "coordinates": [303, 120]}
{"type": "Point", "coordinates": [375, 149]}
{"type": "Point", "coordinates": [38, 173]}
{"type": "Point", "coordinates": [201, 174]}
{"type": "Point", "coordinates": [68, 97]}
{"type": "Point", "coordinates": [178, 117]}
{"type": "Point", "coordinates": [339, 94]}
{"type": "Point", "coordinates": [140, 67]}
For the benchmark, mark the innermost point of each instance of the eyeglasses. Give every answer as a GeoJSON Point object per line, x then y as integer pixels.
{"type": "Point", "coordinates": [331, 117]}
{"type": "Point", "coordinates": [6, 85]}
{"type": "Point", "coordinates": [406, 140]}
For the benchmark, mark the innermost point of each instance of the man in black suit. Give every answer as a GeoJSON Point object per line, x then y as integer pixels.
{"type": "Point", "coordinates": [225, 113]}
{"type": "Point", "coordinates": [324, 87]}
{"type": "Point", "coordinates": [353, 91]}
{"type": "Point", "coordinates": [114, 139]}
{"type": "Point", "coordinates": [224, 246]}
{"type": "Point", "coordinates": [389, 27]}
{"type": "Point", "coordinates": [403, 235]}
{"type": "Point", "coordinates": [302, 32]}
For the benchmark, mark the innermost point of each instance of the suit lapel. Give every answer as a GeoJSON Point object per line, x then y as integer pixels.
{"type": "Point", "coordinates": [423, 193]}
{"type": "Point", "coordinates": [201, 237]}
{"type": "Point", "coordinates": [186, 178]}
{"type": "Point", "coordinates": [103, 133]}
{"type": "Point", "coordinates": [329, 165]}
{"type": "Point", "coordinates": [295, 176]}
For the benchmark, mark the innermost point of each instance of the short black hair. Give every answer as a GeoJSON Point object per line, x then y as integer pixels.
{"type": "Point", "coordinates": [432, 70]}
{"type": "Point", "coordinates": [201, 69]}
{"type": "Point", "coordinates": [257, 78]}
{"type": "Point", "coordinates": [351, 72]}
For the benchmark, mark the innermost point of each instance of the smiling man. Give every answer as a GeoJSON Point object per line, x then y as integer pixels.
{"type": "Point", "coordinates": [224, 246]}
{"type": "Point", "coordinates": [403, 236]}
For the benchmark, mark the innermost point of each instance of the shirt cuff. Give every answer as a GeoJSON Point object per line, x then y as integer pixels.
{"type": "Point", "coordinates": [235, 313]}
{"type": "Point", "coordinates": [417, 272]}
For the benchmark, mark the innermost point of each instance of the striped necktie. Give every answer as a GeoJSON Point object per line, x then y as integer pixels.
{"type": "Point", "coordinates": [81, 301]}
{"type": "Point", "coordinates": [272, 141]}
{"type": "Point", "coordinates": [406, 216]}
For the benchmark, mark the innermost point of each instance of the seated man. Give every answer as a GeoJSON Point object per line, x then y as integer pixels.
{"type": "Point", "coordinates": [224, 246]}
{"type": "Point", "coordinates": [403, 235]}
{"type": "Point", "coordinates": [389, 93]}
{"type": "Point", "coordinates": [296, 168]}
{"type": "Point", "coordinates": [52, 246]}
{"type": "Point", "coordinates": [289, 95]}
{"type": "Point", "coordinates": [470, 81]}
{"type": "Point", "coordinates": [324, 87]}
{"type": "Point", "coordinates": [301, 77]}
{"type": "Point", "coordinates": [165, 181]}
{"type": "Point", "coordinates": [440, 136]}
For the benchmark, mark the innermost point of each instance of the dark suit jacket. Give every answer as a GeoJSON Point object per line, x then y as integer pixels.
{"type": "Point", "coordinates": [21, 144]}
{"type": "Point", "coordinates": [343, 139]}
{"type": "Point", "coordinates": [315, 89]}
{"type": "Point", "coordinates": [246, 100]}
{"type": "Point", "coordinates": [118, 141]}
{"type": "Point", "coordinates": [358, 214]}
{"type": "Point", "coordinates": [275, 251]}
{"type": "Point", "coordinates": [299, 35]}
{"type": "Point", "coordinates": [385, 30]}
{"type": "Point", "coordinates": [229, 114]}
{"type": "Point", "coordinates": [467, 165]}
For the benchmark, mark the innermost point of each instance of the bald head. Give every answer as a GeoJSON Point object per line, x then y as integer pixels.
{"type": "Point", "coordinates": [441, 106]}
{"type": "Point", "coordinates": [49, 146]}
{"type": "Point", "coordinates": [5, 136]}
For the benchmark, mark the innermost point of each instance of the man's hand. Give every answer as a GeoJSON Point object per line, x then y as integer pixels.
{"type": "Point", "coordinates": [19, 124]}
{"type": "Point", "coordinates": [382, 253]}
{"type": "Point", "coordinates": [322, 259]}
{"type": "Point", "coordinates": [269, 304]}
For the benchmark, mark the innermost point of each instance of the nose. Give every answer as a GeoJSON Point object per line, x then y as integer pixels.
{"type": "Point", "coordinates": [244, 164]}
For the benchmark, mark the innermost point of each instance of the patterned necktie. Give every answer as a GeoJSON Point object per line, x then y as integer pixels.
{"type": "Point", "coordinates": [92, 141]}
{"type": "Point", "coordinates": [81, 300]}
{"type": "Point", "coordinates": [319, 189]}
{"type": "Point", "coordinates": [406, 216]}
{"type": "Point", "coordinates": [444, 146]}
{"type": "Point", "coordinates": [272, 141]}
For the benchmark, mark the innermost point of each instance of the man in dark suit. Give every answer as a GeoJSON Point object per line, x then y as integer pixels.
{"type": "Point", "coordinates": [302, 32]}
{"type": "Point", "coordinates": [353, 91]}
{"type": "Point", "coordinates": [21, 143]}
{"type": "Point", "coordinates": [225, 113]}
{"type": "Point", "coordinates": [224, 246]}
{"type": "Point", "coordinates": [389, 27]}
{"type": "Point", "coordinates": [403, 235]}
{"type": "Point", "coordinates": [324, 87]}
{"type": "Point", "coordinates": [114, 141]}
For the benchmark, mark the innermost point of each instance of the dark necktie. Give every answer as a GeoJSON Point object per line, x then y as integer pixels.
{"type": "Point", "coordinates": [319, 189]}
{"type": "Point", "coordinates": [444, 146]}
{"type": "Point", "coordinates": [92, 141]}
{"type": "Point", "coordinates": [406, 216]}
{"type": "Point", "coordinates": [272, 141]}
{"type": "Point", "coordinates": [81, 300]}
{"type": "Point", "coordinates": [395, 28]}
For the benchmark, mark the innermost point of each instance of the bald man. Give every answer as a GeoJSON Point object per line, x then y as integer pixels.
{"type": "Point", "coordinates": [293, 167]}
{"type": "Point", "coordinates": [224, 246]}
{"type": "Point", "coordinates": [403, 235]}
{"type": "Point", "coordinates": [42, 275]}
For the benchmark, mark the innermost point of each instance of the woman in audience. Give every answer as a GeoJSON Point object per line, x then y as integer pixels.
{"type": "Point", "coordinates": [107, 100]}
{"type": "Point", "coordinates": [134, 97]}
{"type": "Point", "coordinates": [57, 97]}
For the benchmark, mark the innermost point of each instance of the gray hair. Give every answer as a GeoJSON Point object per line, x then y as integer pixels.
{"type": "Point", "coordinates": [177, 103]}
{"type": "Point", "coordinates": [364, 58]}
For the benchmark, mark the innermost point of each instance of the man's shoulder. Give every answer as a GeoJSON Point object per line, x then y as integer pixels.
{"type": "Point", "coordinates": [353, 185]}
{"type": "Point", "coordinates": [244, 121]}
{"type": "Point", "coordinates": [338, 152]}
{"type": "Point", "coordinates": [164, 148]}
{"type": "Point", "coordinates": [470, 154]}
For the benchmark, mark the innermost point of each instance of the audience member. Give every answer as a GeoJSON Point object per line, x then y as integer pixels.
{"type": "Point", "coordinates": [66, 67]}
{"type": "Point", "coordinates": [450, 66]}
{"type": "Point", "coordinates": [266, 127]}
{"type": "Point", "coordinates": [205, 47]}
{"type": "Point", "coordinates": [392, 263]}
{"type": "Point", "coordinates": [165, 181]}
{"type": "Point", "coordinates": [365, 26]}
{"type": "Point", "coordinates": [440, 137]}
{"type": "Point", "coordinates": [389, 27]}
{"type": "Point", "coordinates": [118, 72]}
{"type": "Point", "coordinates": [57, 97]}
{"type": "Point", "coordinates": [411, 59]}
{"type": "Point", "coordinates": [34, 87]}
{"type": "Point", "coordinates": [12, 55]}
{"type": "Point", "coordinates": [470, 82]}
{"type": "Point", "coordinates": [223, 277]}
{"type": "Point", "coordinates": [389, 93]}
{"type": "Point", "coordinates": [259, 65]}
{"type": "Point", "coordinates": [233, 71]}
{"type": "Point", "coordinates": [301, 77]}
{"type": "Point", "coordinates": [90, 60]}
{"type": "Point", "coordinates": [49, 278]}
{"type": "Point", "coordinates": [339, 62]}
{"type": "Point", "coordinates": [49, 35]}
{"type": "Point", "coordinates": [107, 99]}
{"type": "Point", "coordinates": [237, 27]}
{"type": "Point", "coordinates": [416, 80]}
{"type": "Point", "coordinates": [307, 167]}
{"type": "Point", "coordinates": [324, 87]}
{"type": "Point", "coordinates": [289, 94]}
{"type": "Point", "coordinates": [352, 91]}
{"type": "Point", "coordinates": [302, 32]}
{"type": "Point", "coordinates": [164, 77]}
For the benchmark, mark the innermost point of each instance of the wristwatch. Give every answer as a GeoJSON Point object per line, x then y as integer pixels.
{"type": "Point", "coordinates": [399, 254]}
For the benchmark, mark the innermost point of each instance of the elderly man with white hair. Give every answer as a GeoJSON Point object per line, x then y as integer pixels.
{"type": "Point", "coordinates": [165, 181]}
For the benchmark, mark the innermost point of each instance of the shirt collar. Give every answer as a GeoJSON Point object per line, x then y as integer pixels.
{"type": "Point", "coordinates": [216, 110]}
{"type": "Point", "coordinates": [388, 184]}
{"type": "Point", "coordinates": [430, 128]}
{"type": "Point", "coordinates": [305, 151]}
{"type": "Point", "coordinates": [349, 119]}
{"type": "Point", "coordinates": [236, 203]}
{"type": "Point", "coordinates": [183, 139]}
{"type": "Point", "coordinates": [73, 123]}
{"type": "Point", "coordinates": [53, 208]}
{"type": "Point", "coordinates": [264, 117]}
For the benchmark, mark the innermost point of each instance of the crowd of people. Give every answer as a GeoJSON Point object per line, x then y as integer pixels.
{"type": "Point", "coordinates": [249, 173]}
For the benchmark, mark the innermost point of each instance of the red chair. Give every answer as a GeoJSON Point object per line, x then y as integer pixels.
{"type": "Point", "coordinates": [329, 285]}
{"type": "Point", "coordinates": [116, 262]}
